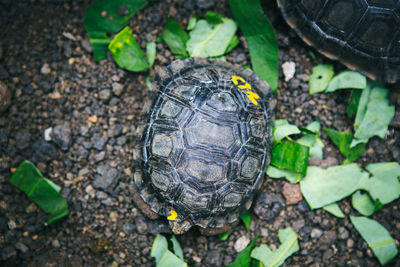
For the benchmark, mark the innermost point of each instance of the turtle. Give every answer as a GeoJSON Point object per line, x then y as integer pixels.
{"type": "Point", "coordinates": [204, 144]}
{"type": "Point", "coordinates": [362, 34]}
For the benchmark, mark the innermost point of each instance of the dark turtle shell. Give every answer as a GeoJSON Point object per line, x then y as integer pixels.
{"type": "Point", "coordinates": [206, 142]}
{"type": "Point", "coordinates": [362, 34]}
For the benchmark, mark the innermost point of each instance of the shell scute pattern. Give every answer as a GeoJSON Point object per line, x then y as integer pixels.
{"type": "Point", "coordinates": [206, 144]}
{"type": "Point", "coordinates": [362, 34]}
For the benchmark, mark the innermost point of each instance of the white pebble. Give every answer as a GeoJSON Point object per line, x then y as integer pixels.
{"type": "Point", "coordinates": [241, 243]}
{"type": "Point", "coordinates": [47, 134]}
{"type": "Point", "coordinates": [289, 69]}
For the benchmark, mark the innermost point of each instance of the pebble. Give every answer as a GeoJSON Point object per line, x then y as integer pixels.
{"type": "Point", "coordinates": [23, 139]}
{"type": "Point", "coordinates": [128, 228]}
{"type": "Point", "coordinates": [45, 69]}
{"type": "Point", "coordinates": [316, 233]}
{"type": "Point", "coordinates": [107, 177]}
{"type": "Point", "coordinates": [292, 193]}
{"type": "Point", "coordinates": [44, 151]}
{"type": "Point", "coordinates": [105, 94]}
{"type": "Point", "coordinates": [99, 156]}
{"type": "Point", "coordinates": [12, 225]}
{"type": "Point", "coordinates": [343, 233]}
{"type": "Point", "coordinates": [158, 227]}
{"type": "Point", "coordinates": [268, 205]}
{"type": "Point", "coordinates": [47, 134]}
{"type": "Point", "coordinates": [99, 142]}
{"type": "Point", "coordinates": [241, 243]}
{"type": "Point", "coordinates": [21, 247]}
{"type": "Point", "coordinates": [205, 3]}
{"type": "Point", "coordinates": [5, 97]}
{"type": "Point", "coordinates": [55, 243]}
{"type": "Point", "coordinates": [350, 243]}
{"type": "Point", "coordinates": [61, 136]}
{"type": "Point", "coordinates": [86, 45]}
{"type": "Point", "coordinates": [117, 89]}
{"type": "Point", "coordinates": [141, 225]}
{"type": "Point", "coordinates": [289, 69]}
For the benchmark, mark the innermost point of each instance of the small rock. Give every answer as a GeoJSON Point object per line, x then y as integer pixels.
{"type": "Point", "coordinates": [23, 139]}
{"type": "Point", "coordinates": [343, 233]}
{"type": "Point", "coordinates": [47, 134]}
{"type": "Point", "coordinates": [117, 89]}
{"type": "Point", "coordinates": [297, 225]}
{"type": "Point", "coordinates": [128, 228]}
{"type": "Point", "coordinates": [268, 206]}
{"type": "Point", "coordinates": [158, 227]}
{"type": "Point", "coordinates": [205, 3]}
{"type": "Point", "coordinates": [61, 136]}
{"type": "Point", "coordinates": [31, 208]}
{"type": "Point", "coordinates": [350, 243]}
{"type": "Point", "coordinates": [107, 177]}
{"type": "Point", "coordinates": [316, 233]}
{"type": "Point", "coordinates": [55, 243]}
{"type": "Point", "coordinates": [69, 35]}
{"type": "Point", "coordinates": [114, 216]}
{"type": "Point", "coordinates": [86, 45]}
{"type": "Point", "coordinates": [5, 97]}
{"type": "Point", "coordinates": [44, 151]}
{"type": "Point", "coordinates": [8, 252]}
{"type": "Point", "coordinates": [292, 193]}
{"type": "Point", "coordinates": [105, 94]}
{"type": "Point", "coordinates": [115, 130]}
{"type": "Point", "coordinates": [141, 225]}
{"type": "Point", "coordinates": [12, 225]}
{"type": "Point", "coordinates": [99, 142]}
{"type": "Point", "coordinates": [99, 156]}
{"type": "Point", "coordinates": [21, 247]}
{"type": "Point", "coordinates": [288, 69]}
{"type": "Point", "coordinates": [241, 243]}
{"type": "Point", "coordinates": [90, 191]}
{"type": "Point", "coordinates": [45, 69]}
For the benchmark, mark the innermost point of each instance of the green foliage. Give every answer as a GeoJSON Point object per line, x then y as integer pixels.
{"type": "Point", "coordinates": [289, 245]}
{"type": "Point", "coordinates": [320, 77]}
{"type": "Point", "coordinates": [106, 17]}
{"type": "Point", "coordinates": [40, 190]}
{"type": "Point", "coordinates": [243, 259]}
{"type": "Point", "coordinates": [176, 38]}
{"type": "Point", "coordinates": [150, 53]}
{"type": "Point", "coordinates": [127, 53]}
{"type": "Point", "coordinates": [291, 176]}
{"type": "Point", "coordinates": [343, 140]}
{"type": "Point", "coordinates": [354, 100]}
{"type": "Point", "coordinates": [334, 209]}
{"type": "Point", "coordinates": [246, 219]}
{"type": "Point", "coordinates": [291, 156]}
{"type": "Point", "coordinates": [377, 238]}
{"type": "Point", "coordinates": [282, 129]}
{"type": "Point", "coordinates": [260, 37]}
{"type": "Point", "coordinates": [364, 204]}
{"type": "Point", "coordinates": [347, 80]}
{"type": "Point", "coordinates": [164, 257]}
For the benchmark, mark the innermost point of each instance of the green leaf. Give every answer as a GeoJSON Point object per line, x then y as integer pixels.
{"type": "Point", "coordinates": [224, 236]}
{"type": "Point", "coordinates": [334, 209]}
{"type": "Point", "coordinates": [148, 81]}
{"type": "Point", "coordinates": [343, 140]}
{"type": "Point", "coordinates": [213, 17]}
{"type": "Point", "coordinates": [347, 79]}
{"type": "Point", "coordinates": [169, 259]}
{"type": "Point", "coordinates": [40, 190]}
{"type": "Point", "coordinates": [377, 238]}
{"type": "Point", "coordinates": [211, 40]}
{"type": "Point", "coordinates": [363, 203]}
{"type": "Point", "coordinates": [290, 155]}
{"type": "Point", "coordinates": [260, 37]}
{"type": "Point", "coordinates": [320, 77]}
{"type": "Point", "coordinates": [282, 128]}
{"type": "Point", "coordinates": [377, 116]}
{"type": "Point", "coordinates": [150, 53]}
{"type": "Point", "coordinates": [192, 22]}
{"type": "Point", "coordinates": [177, 247]}
{"type": "Point", "coordinates": [314, 143]}
{"type": "Point", "coordinates": [291, 176]}
{"type": "Point", "coordinates": [243, 259]}
{"type": "Point", "coordinates": [127, 53]}
{"type": "Point", "coordinates": [384, 184]}
{"type": "Point", "coordinates": [232, 44]}
{"type": "Point", "coordinates": [321, 187]}
{"type": "Point", "coordinates": [159, 247]}
{"type": "Point", "coordinates": [312, 128]}
{"type": "Point", "coordinates": [176, 38]}
{"type": "Point", "coordinates": [246, 219]}
{"type": "Point", "coordinates": [104, 16]}
{"type": "Point", "coordinates": [289, 245]}
{"type": "Point", "coordinates": [354, 100]}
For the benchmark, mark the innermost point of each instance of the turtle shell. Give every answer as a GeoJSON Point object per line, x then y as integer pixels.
{"type": "Point", "coordinates": [362, 34]}
{"type": "Point", "coordinates": [206, 142]}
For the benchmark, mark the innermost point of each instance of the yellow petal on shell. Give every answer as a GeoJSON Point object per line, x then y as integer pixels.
{"type": "Point", "coordinates": [173, 215]}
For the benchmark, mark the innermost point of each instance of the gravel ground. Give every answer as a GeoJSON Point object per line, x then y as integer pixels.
{"type": "Point", "coordinates": [91, 110]}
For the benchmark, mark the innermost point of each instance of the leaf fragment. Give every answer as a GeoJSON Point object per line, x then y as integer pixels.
{"type": "Point", "coordinates": [260, 37]}
{"type": "Point", "coordinates": [127, 53]}
{"type": "Point", "coordinates": [176, 38]}
{"type": "Point", "coordinates": [320, 78]}
{"type": "Point", "coordinates": [334, 209]}
{"type": "Point", "coordinates": [354, 100]}
{"type": "Point", "coordinates": [177, 247]}
{"type": "Point", "coordinates": [347, 79]}
{"type": "Point", "coordinates": [289, 245]}
{"type": "Point", "coordinates": [291, 176]}
{"type": "Point", "coordinates": [283, 128]}
{"type": "Point", "coordinates": [377, 238]}
{"type": "Point", "coordinates": [40, 190]}
{"type": "Point", "coordinates": [159, 247]}
{"type": "Point", "coordinates": [246, 219]}
{"type": "Point", "coordinates": [150, 53]}
{"type": "Point", "coordinates": [290, 155]}
{"type": "Point", "coordinates": [343, 141]}
{"type": "Point", "coordinates": [363, 203]}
